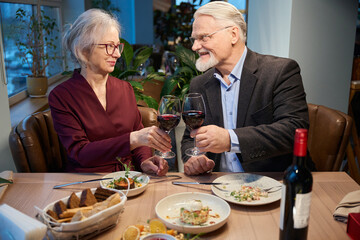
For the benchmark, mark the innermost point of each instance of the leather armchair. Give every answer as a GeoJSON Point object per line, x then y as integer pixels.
{"type": "Point", "coordinates": [328, 137]}
{"type": "Point", "coordinates": [35, 145]}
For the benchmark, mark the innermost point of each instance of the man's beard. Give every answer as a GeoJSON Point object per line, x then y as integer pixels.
{"type": "Point", "coordinates": [202, 66]}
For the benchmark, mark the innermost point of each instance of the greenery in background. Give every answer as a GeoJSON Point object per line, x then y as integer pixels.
{"type": "Point", "coordinates": [36, 43]}
{"type": "Point", "coordinates": [105, 5]}
{"type": "Point", "coordinates": [175, 25]}
{"type": "Point", "coordinates": [127, 68]}
{"type": "Point", "coordinates": [178, 83]}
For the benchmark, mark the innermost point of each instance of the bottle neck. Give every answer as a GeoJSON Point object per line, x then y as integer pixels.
{"type": "Point", "coordinates": [300, 147]}
{"type": "Point", "coordinates": [299, 161]}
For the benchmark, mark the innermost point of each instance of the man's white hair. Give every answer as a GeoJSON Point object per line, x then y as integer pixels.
{"type": "Point", "coordinates": [226, 13]}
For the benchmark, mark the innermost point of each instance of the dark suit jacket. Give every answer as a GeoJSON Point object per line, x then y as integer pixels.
{"type": "Point", "coordinates": [271, 106]}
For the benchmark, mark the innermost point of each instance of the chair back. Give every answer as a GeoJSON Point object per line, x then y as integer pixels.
{"type": "Point", "coordinates": [328, 138]}
{"type": "Point", "coordinates": [35, 145]}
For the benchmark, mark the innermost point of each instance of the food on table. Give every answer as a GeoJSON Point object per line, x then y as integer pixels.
{"type": "Point", "coordinates": [59, 208]}
{"type": "Point", "coordinates": [102, 194]}
{"type": "Point", "coordinates": [73, 201]}
{"type": "Point", "coordinates": [122, 184]}
{"type": "Point", "coordinates": [194, 213]}
{"type": "Point", "coordinates": [52, 214]}
{"type": "Point", "coordinates": [87, 198]}
{"type": "Point", "coordinates": [157, 226]}
{"type": "Point", "coordinates": [90, 205]}
{"type": "Point", "coordinates": [131, 233]}
{"type": "Point", "coordinates": [248, 193]}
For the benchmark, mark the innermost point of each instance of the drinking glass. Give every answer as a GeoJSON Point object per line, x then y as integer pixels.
{"type": "Point", "coordinates": [168, 117]}
{"type": "Point", "coordinates": [193, 114]}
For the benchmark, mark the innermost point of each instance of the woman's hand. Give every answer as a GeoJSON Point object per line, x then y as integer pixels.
{"type": "Point", "coordinates": [155, 165]}
{"type": "Point", "coordinates": [152, 137]}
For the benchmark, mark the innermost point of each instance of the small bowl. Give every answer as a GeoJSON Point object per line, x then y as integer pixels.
{"type": "Point", "coordinates": [158, 236]}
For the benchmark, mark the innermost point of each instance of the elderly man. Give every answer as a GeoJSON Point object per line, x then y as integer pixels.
{"type": "Point", "coordinates": [253, 102]}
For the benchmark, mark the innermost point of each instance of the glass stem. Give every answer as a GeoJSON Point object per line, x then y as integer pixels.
{"type": "Point", "coordinates": [196, 150]}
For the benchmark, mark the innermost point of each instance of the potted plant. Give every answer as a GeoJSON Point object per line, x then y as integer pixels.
{"type": "Point", "coordinates": [178, 83]}
{"type": "Point", "coordinates": [36, 44]}
{"type": "Point", "coordinates": [127, 68]}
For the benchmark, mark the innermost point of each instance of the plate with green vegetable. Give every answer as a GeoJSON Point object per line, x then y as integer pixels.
{"type": "Point", "coordinates": [138, 182]}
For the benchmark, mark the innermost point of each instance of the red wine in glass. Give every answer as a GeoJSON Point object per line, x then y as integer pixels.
{"type": "Point", "coordinates": [194, 119]}
{"type": "Point", "coordinates": [193, 113]}
{"type": "Point", "coordinates": [168, 118]}
{"type": "Point", "coordinates": [168, 121]}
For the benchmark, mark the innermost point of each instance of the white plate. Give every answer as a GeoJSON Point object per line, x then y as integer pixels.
{"type": "Point", "coordinates": [247, 179]}
{"type": "Point", "coordinates": [144, 179]}
{"type": "Point", "coordinates": [168, 210]}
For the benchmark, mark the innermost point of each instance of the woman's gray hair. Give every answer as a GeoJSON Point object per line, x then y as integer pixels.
{"type": "Point", "coordinates": [224, 12]}
{"type": "Point", "coordinates": [86, 31]}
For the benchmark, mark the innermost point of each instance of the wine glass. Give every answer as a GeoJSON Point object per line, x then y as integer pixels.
{"type": "Point", "coordinates": [193, 113]}
{"type": "Point", "coordinates": [168, 117]}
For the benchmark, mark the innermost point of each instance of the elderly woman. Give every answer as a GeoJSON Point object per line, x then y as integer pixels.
{"type": "Point", "coordinates": [94, 114]}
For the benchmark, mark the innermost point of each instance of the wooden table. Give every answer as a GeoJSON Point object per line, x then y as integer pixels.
{"type": "Point", "coordinates": [261, 222]}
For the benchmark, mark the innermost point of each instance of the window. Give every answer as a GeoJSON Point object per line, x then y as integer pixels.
{"type": "Point", "coordinates": [15, 70]}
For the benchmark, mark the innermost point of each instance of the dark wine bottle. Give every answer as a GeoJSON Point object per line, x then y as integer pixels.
{"type": "Point", "coordinates": [296, 193]}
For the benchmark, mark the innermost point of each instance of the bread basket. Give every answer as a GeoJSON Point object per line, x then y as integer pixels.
{"type": "Point", "coordinates": [87, 228]}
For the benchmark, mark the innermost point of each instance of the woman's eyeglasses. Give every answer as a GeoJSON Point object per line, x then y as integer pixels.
{"type": "Point", "coordinates": [110, 48]}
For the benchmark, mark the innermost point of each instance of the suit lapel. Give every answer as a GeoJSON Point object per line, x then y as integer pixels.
{"type": "Point", "coordinates": [248, 82]}
{"type": "Point", "coordinates": [213, 95]}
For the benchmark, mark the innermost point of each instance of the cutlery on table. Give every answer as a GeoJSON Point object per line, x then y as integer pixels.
{"type": "Point", "coordinates": [73, 183]}
{"type": "Point", "coordinates": [203, 183]}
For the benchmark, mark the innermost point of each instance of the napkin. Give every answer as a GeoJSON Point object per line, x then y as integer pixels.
{"type": "Point", "coordinates": [7, 175]}
{"type": "Point", "coordinates": [17, 225]}
{"type": "Point", "coordinates": [349, 204]}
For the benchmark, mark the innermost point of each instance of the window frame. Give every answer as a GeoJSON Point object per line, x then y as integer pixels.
{"type": "Point", "coordinates": [38, 3]}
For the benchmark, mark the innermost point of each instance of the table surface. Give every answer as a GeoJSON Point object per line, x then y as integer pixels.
{"type": "Point", "coordinates": [245, 222]}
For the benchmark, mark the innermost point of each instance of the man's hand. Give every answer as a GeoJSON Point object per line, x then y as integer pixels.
{"type": "Point", "coordinates": [212, 138]}
{"type": "Point", "coordinates": [197, 165]}
{"type": "Point", "coordinates": [155, 165]}
{"type": "Point", "coordinates": [152, 137]}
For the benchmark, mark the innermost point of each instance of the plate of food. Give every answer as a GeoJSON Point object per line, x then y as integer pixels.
{"type": "Point", "coordinates": [247, 189]}
{"type": "Point", "coordinates": [138, 182]}
{"type": "Point", "coordinates": [192, 212]}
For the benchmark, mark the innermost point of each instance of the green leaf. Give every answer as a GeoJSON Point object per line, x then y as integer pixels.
{"type": "Point", "coordinates": [142, 56]}
{"type": "Point", "coordinates": [125, 74]}
{"type": "Point", "coordinates": [151, 102]}
{"type": "Point", "coordinates": [155, 76]}
{"type": "Point", "coordinates": [127, 54]}
{"type": "Point", "coordinates": [137, 85]}
{"type": "Point", "coordinates": [186, 56]}
{"type": "Point", "coordinates": [169, 85]}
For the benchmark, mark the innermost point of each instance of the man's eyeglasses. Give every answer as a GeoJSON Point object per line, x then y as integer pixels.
{"type": "Point", "coordinates": [110, 48]}
{"type": "Point", "coordinates": [205, 38]}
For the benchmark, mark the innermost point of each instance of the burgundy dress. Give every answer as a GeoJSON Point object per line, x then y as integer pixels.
{"type": "Point", "coordinates": [92, 136]}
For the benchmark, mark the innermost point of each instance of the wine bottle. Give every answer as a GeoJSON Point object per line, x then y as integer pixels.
{"type": "Point", "coordinates": [296, 192]}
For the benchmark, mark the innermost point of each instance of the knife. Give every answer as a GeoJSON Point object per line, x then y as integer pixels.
{"type": "Point", "coordinates": [73, 183]}
{"type": "Point", "coordinates": [204, 183]}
